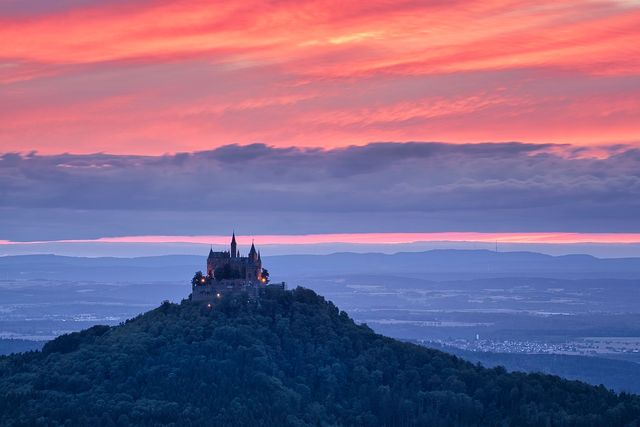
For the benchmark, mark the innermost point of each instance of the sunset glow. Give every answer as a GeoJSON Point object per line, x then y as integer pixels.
{"type": "Point", "coordinates": [369, 238]}
{"type": "Point", "coordinates": [155, 77]}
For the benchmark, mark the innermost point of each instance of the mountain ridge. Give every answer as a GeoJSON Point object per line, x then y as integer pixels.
{"type": "Point", "coordinates": [455, 262]}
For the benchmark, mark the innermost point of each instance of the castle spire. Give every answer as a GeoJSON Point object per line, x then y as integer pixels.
{"type": "Point", "coordinates": [253, 254]}
{"type": "Point", "coordinates": [234, 246]}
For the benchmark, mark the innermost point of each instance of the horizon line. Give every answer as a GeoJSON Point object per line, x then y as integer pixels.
{"type": "Point", "coordinates": [362, 238]}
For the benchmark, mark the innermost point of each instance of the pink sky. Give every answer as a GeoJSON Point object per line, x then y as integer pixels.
{"type": "Point", "coordinates": [348, 85]}
{"type": "Point", "coordinates": [370, 238]}
{"type": "Point", "coordinates": [151, 77]}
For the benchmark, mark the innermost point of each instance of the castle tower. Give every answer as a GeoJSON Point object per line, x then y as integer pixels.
{"type": "Point", "coordinates": [253, 268]}
{"type": "Point", "coordinates": [253, 254]}
{"type": "Point", "coordinates": [234, 246]}
{"type": "Point", "coordinates": [210, 263]}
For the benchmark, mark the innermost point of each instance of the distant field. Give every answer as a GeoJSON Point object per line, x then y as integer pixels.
{"type": "Point", "coordinates": [615, 374]}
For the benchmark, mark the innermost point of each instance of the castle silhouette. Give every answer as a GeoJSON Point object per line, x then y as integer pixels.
{"type": "Point", "coordinates": [228, 272]}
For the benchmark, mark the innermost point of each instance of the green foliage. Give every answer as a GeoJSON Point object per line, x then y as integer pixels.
{"type": "Point", "coordinates": [70, 342]}
{"type": "Point", "coordinates": [197, 278]}
{"type": "Point", "coordinates": [289, 359]}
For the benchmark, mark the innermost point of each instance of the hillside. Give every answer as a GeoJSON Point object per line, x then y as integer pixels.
{"type": "Point", "coordinates": [294, 359]}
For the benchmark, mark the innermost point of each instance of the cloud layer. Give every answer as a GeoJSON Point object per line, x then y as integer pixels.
{"type": "Point", "coordinates": [154, 77]}
{"type": "Point", "coordinates": [382, 187]}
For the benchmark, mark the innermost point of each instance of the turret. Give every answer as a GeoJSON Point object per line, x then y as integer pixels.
{"type": "Point", "coordinates": [253, 254]}
{"type": "Point", "coordinates": [234, 246]}
{"type": "Point", "coordinates": [210, 263]}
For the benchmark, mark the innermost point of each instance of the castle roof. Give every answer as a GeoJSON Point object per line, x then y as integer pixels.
{"type": "Point", "coordinates": [253, 255]}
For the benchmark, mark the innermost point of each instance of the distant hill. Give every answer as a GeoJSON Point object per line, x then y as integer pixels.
{"type": "Point", "coordinates": [101, 269]}
{"type": "Point", "coordinates": [292, 359]}
{"type": "Point", "coordinates": [434, 263]}
{"type": "Point", "coordinates": [461, 263]}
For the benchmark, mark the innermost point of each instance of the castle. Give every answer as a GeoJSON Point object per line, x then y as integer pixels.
{"type": "Point", "coordinates": [228, 272]}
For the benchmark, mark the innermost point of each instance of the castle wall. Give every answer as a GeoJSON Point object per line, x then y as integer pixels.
{"type": "Point", "coordinates": [216, 289]}
{"type": "Point", "coordinates": [243, 267]}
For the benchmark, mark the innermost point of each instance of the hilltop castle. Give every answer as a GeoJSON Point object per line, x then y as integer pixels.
{"type": "Point", "coordinates": [228, 272]}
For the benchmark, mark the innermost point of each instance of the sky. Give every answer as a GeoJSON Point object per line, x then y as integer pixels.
{"type": "Point", "coordinates": [495, 120]}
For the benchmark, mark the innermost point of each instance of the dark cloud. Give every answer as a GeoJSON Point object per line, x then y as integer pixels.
{"type": "Point", "coordinates": [20, 8]}
{"type": "Point", "coordinates": [390, 186]}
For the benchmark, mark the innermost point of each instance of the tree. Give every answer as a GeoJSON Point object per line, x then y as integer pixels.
{"type": "Point", "coordinates": [198, 279]}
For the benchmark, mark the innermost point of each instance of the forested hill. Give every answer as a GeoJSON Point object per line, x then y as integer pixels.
{"type": "Point", "coordinates": [293, 359]}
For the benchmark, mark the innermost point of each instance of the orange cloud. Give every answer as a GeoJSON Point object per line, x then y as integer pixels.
{"type": "Point", "coordinates": [153, 77]}
{"type": "Point", "coordinates": [454, 37]}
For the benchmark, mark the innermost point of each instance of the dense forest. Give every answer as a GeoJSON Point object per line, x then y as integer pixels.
{"type": "Point", "coordinates": [289, 359]}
